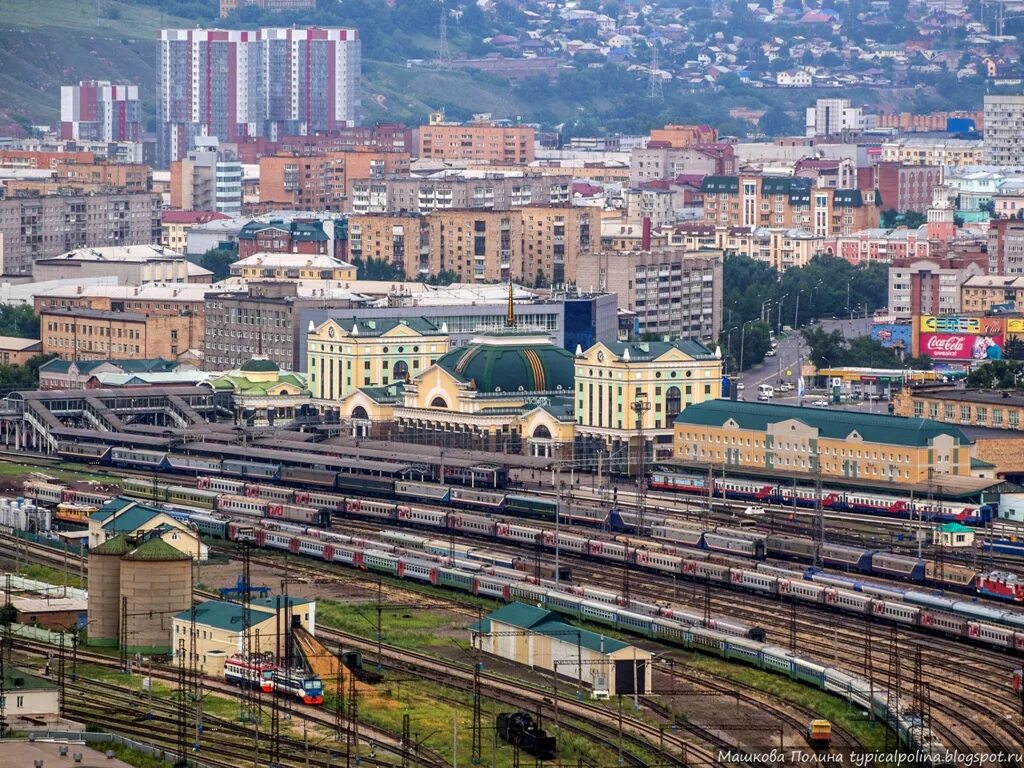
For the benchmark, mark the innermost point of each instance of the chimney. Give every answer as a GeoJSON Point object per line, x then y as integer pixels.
{"type": "Point", "coordinates": [645, 241]}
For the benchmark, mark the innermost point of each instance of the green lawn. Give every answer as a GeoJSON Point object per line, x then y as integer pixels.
{"type": "Point", "coordinates": [53, 575]}
{"type": "Point", "coordinates": [402, 627]}
{"type": "Point", "coordinates": [117, 19]}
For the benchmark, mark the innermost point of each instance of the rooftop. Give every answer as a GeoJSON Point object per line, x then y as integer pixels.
{"type": "Point", "coordinates": [540, 621]}
{"type": "Point", "coordinates": [190, 217]}
{"type": "Point", "coordinates": [18, 344]}
{"type": "Point", "coordinates": [835, 424]}
{"type": "Point", "coordinates": [268, 260]}
{"type": "Point", "coordinates": [224, 615]}
{"type": "Point", "coordinates": [1007, 397]}
{"type": "Point", "coordinates": [136, 254]}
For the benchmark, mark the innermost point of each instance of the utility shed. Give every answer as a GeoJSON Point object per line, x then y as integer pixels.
{"type": "Point", "coordinates": [26, 695]}
{"type": "Point", "coordinates": [953, 535]}
{"type": "Point", "coordinates": [543, 640]}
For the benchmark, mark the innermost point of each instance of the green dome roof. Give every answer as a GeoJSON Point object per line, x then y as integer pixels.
{"type": "Point", "coordinates": [512, 363]}
{"type": "Point", "coordinates": [259, 365]}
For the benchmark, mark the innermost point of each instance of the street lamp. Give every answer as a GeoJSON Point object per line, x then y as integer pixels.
{"type": "Point", "coordinates": [778, 315]}
{"type": "Point", "coordinates": [743, 332]}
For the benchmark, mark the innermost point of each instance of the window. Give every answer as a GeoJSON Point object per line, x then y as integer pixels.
{"type": "Point", "coordinates": [918, 409]}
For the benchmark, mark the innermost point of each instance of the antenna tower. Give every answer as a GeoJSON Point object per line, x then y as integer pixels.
{"type": "Point", "coordinates": [655, 87]}
{"type": "Point", "coordinates": [444, 53]}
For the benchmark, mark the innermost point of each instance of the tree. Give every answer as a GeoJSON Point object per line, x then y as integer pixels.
{"type": "Point", "coordinates": [747, 346]}
{"type": "Point", "coordinates": [444, 277]}
{"type": "Point", "coordinates": [997, 374]}
{"type": "Point", "coordinates": [826, 348]}
{"type": "Point", "coordinates": [776, 122]}
{"type": "Point", "coordinates": [18, 321]}
{"type": "Point", "coordinates": [218, 261]}
{"type": "Point", "coordinates": [378, 269]}
{"type": "Point", "coordinates": [1014, 350]}
{"type": "Point", "coordinates": [23, 376]}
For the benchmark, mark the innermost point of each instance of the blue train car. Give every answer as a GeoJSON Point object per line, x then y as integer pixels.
{"type": "Point", "coordinates": [1011, 547]}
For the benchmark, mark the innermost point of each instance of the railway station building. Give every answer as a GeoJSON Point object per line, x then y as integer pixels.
{"type": "Point", "coordinates": [794, 440]}
{"type": "Point", "coordinates": [544, 641]}
{"type": "Point", "coordinates": [220, 629]}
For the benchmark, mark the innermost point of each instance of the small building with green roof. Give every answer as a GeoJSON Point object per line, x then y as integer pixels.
{"type": "Point", "coordinates": [262, 394]}
{"type": "Point", "coordinates": [122, 517]}
{"type": "Point", "coordinates": [544, 640]}
{"type": "Point", "coordinates": [953, 536]}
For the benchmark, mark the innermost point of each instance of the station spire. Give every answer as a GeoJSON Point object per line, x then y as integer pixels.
{"type": "Point", "coordinates": [510, 316]}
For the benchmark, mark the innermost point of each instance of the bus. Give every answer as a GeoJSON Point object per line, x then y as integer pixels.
{"type": "Point", "coordinates": [765, 391]}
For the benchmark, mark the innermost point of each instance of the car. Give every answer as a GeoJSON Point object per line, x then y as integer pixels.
{"type": "Point", "coordinates": [770, 353]}
{"type": "Point", "coordinates": [753, 511]}
{"type": "Point", "coordinates": [785, 387]}
{"type": "Point", "coordinates": [820, 403]}
{"type": "Point", "coordinates": [739, 386]}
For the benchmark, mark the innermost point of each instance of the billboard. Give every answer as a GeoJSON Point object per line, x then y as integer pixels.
{"type": "Point", "coordinates": [961, 324]}
{"type": "Point", "coordinates": [1014, 325]}
{"type": "Point", "coordinates": [961, 346]}
{"type": "Point", "coordinates": [892, 335]}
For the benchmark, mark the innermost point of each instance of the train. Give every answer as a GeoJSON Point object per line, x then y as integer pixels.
{"type": "Point", "coordinates": [259, 671]}
{"type": "Point", "coordinates": [459, 485]}
{"type": "Point", "coordinates": [832, 499]}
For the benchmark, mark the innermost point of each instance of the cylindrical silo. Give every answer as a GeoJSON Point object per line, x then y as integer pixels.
{"type": "Point", "coordinates": [156, 579]}
{"type": "Point", "coordinates": [105, 591]}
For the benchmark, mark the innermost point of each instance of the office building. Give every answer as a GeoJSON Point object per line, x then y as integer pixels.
{"type": "Point", "coordinates": [44, 226]}
{"type": "Point", "coordinates": [269, 82]}
{"type": "Point", "coordinates": [659, 160]}
{"type": "Point", "coordinates": [1004, 138]}
{"type": "Point", "coordinates": [790, 440]}
{"type": "Point", "coordinates": [128, 265]}
{"type": "Point", "coordinates": [97, 110]}
{"type": "Point", "coordinates": [90, 334]}
{"type": "Point", "coordinates": [208, 178]}
{"type": "Point", "coordinates": [673, 292]}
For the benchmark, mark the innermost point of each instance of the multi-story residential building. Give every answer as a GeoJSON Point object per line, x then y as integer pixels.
{"type": "Point", "coordinates": [781, 248]}
{"type": "Point", "coordinates": [787, 202]}
{"type": "Point", "coordinates": [829, 117]}
{"type": "Point", "coordinates": [268, 82]}
{"type": "Point", "coordinates": [533, 244]}
{"type": "Point", "coordinates": [401, 239]}
{"type": "Point", "coordinates": [128, 265]}
{"type": "Point", "coordinates": [38, 159]}
{"type": "Point", "coordinates": [209, 178]}
{"type": "Point", "coordinates": [1006, 247]}
{"type": "Point", "coordinates": [275, 6]}
{"type": "Point", "coordinates": [684, 135]}
{"type": "Point", "coordinates": [44, 226]}
{"type": "Point", "coordinates": [105, 176]}
{"type": "Point", "coordinates": [950, 153]}
{"type": "Point", "coordinates": [480, 142]}
{"type": "Point", "coordinates": [344, 354]}
{"type": "Point", "coordinates": [930, 286]}
{"type": "Point", "coordinates": [992, 409]}
{"type": "Point", "coordinates": [323, 182]}
{"type": "Point", "coordinates": [652, 204]}
{"type": "Point", "coordinates": [790, 440]}
{"type": "Point", "coordinates": [174, 227]}
{"type": "Point", "coordinates": [900, 186]}
{"type": "Point", "coordinates": [292, 266]}
{"type": "Point", "coordinates": [1004, 119]}
{"type": "Point", "coordinates": [666, 377]}
{"type": "Point", "coordinates": [979, 293]}
{"type": "Point", "coordinates": [455, 189]}
{"type": "Point", "coordinates": [882, 245]}
{"type": "Point", "coordinates": [659, 160]}
{"type": "Point", "coordinates": [90, 334]}
{"type": "Point", "coordinates": [674, 292]}
{"type": "Point", "coordinates": [308, 236]}
{"type": "Point", "coordinates": [151, 298]}
{"type": "Point", "coordinates": [1008, 201]}
{"type": "Point", "coordinates": [380, 137]}
{"type": "Point", "coordinates": [97, 110]}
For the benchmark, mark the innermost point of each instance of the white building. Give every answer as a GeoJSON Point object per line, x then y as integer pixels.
{"type": "Point", "coordinates": [1004, 129]}
{"type": "Point", "coordinates": [97, 110]}
{"type": "Point", "coordinates": [832, 116]}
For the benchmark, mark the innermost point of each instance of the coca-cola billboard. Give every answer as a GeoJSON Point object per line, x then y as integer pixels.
{"type": "Point", "coordinates": [960, 346]}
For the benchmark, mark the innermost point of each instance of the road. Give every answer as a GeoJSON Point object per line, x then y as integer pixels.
{"type": "Point", "coordinates": [791, 352]}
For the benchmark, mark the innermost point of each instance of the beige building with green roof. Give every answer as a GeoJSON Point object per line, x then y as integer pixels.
{"type": "Point", "coordinates": [263, 394]}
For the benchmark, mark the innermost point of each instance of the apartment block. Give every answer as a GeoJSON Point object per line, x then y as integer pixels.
{"type": "Point", "coordinates": [659, 160]}
{"type": "Point", "coordinates": [105, 176]}
{"type": "Point", "coordinates": [90, 334]}
{"type": "Point", "coordinates": [275, 6]}
{"type": "Point", "coordinates": [880, 245]}
{"type": "Point", "coordinates": [1006, 247]}
{"type": "Point", "coordinates": [829, 117]}
{"type": "Point", "coordinates": [97, 110]}
{"type": "Point", "coordinates": [787, 202]}
{"type": "Point", "coordinates": [929, 286]}
{"type": "Point", "coordinates": [382, 137]}
{"type": "Point", "coordinates": [538, 245]}
{"type": "Point", "coordinates": [40, 159]}
{"type": "Point", "coordinates": [481, 143]}
{"type": "Point", "coordinates": [781, 248]}
{"type": "Point", "coordinates": [494, 191]}
{"type": "Point", "coordinates": [979, 293]}
{"type": "Point", "coordinates": [1004, 129]}
{"type": "Point", "coordinates": [44, 226]}
{"type": "Point", "coordinates": [269, 82]}
{"type": "Point", "coordinates": [175, 225]}
{"type": "Point", "coordinates": [684, 135]}
{"type": "Point", "coordinates": [950, 153]}
{"type": "Point", "coordinates": [322, 182]}
{"type": "Point", "coordinates": [674, 293]}
{"type": "Point", "coordinates": [292, 266]}
{"type": "Point", "coordinates": [901, 186]}
{"type": "Point", "coordinates": [208, 178]}
{"type": "Point", "coordinates": [402, 239]}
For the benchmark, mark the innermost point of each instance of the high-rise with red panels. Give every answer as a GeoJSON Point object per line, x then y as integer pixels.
{"type": "Point", "coordinates": [97, 110]}
{"type": "Point", "coordinates": [237, 84]}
